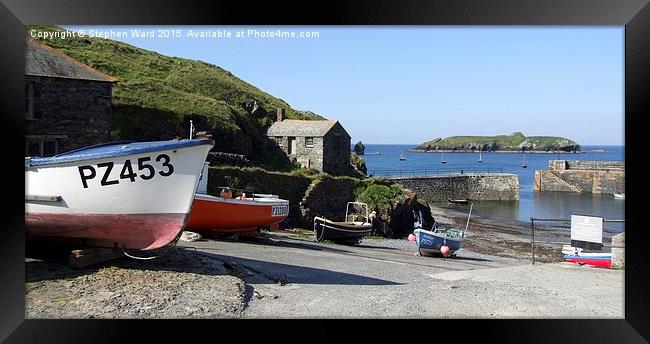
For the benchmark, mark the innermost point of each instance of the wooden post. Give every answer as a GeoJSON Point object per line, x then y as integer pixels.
{"type": "Point", "coordinates": [82, 258]}
{"type": "Point", "coordinates": [532, 239]}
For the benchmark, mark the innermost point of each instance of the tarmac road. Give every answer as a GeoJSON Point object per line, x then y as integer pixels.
{"type": "Point", "coordinates": [291, 276]}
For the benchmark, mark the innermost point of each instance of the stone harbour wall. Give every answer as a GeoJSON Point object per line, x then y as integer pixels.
{"type": "Point", "coordinates": [604, 177]}
{"type": "Point", "coordinates": [477, 187]}
{"type": "Point", "coordinates": [562, 165]}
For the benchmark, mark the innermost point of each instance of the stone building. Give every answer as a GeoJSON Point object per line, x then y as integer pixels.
{"type": "Point", "coordinates": [322, 145]}
{"type": "Point", "coordinates": [67, 103]}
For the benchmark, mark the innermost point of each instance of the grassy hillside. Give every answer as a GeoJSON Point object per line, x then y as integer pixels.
{"type": "Point", "coordinates": [514, 141]}
{"type": "Point", "coordinates": [157, 95]}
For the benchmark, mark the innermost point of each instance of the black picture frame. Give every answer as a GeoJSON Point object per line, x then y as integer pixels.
{"type": "Point", "coordinates": [633, 14]}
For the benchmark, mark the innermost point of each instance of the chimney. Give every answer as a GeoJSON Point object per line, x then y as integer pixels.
{"type": "Point", "coordinates": [280, 115]}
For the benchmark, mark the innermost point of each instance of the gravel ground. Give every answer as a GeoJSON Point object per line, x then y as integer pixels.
{"type": "Point", "coordinates": [507, 238]}
{"type": "Point", "coordinates": [181, 284]}
{"type": "Point", "coordinates": [287, 274]}
{"type": "Point", "coordinates": [291, 276]}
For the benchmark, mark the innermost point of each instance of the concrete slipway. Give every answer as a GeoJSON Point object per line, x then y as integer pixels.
{"type": "Point", "coordinates": [291, 276]}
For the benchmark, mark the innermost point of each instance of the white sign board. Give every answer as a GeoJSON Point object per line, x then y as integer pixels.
{"type": "Point", "coordinates": [587, 228]}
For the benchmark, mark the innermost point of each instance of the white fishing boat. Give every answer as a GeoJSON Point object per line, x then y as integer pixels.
{"type": "Point", "coordinates": [619, 195]}
{"type": "Point", "coordinates": [524, 165]}
{"type": "Point", "coordinates": [442, 158]}
{"type": "Point", "coordinates": [130, 195]}
{"type": "Point", "coordinates": [402, 157]}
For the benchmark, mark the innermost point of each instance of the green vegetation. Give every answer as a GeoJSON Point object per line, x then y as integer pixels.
{"type": "Point", "coordinates": [307, 172]}
{"type": "Point", "coordinates": [379, 194]}
{"type": "Point", "coordinates": [157, 95]}
{"type": "Point", "coordinates": [514, 142]}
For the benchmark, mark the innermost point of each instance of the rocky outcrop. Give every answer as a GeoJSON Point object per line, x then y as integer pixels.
{"type": "Point", "coordinates": [358, 165]}
{"type": "Point", "coordinates": [403, 215]}
{"type": "Point", "coordinates": [359, 148]}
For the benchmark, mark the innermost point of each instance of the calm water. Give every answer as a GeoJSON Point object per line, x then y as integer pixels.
{"type": "Point", "coordinates": [536, 204]}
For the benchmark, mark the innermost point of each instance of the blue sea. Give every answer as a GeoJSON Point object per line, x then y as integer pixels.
{"type": "Point", "coordinates": [530, 204]}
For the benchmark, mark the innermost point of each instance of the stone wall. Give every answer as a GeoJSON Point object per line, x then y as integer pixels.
{"type": "Point", "coordinates": [478, 187]}
{"type": "Point", "coordinates": [327, 197]}
{"type": "Point", "coordinates": [231, 159]}
{"type": "Point", "coordinates": [75, 112]}
{"type": "Point", "coordinates": [605, 177]}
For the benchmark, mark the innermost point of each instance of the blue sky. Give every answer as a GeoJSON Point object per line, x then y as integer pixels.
{"type": "Point", "coordinates": [411, 84]}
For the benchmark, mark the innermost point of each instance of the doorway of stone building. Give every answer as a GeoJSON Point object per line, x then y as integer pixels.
{"type": "Point", "coordinates": [292, 145]}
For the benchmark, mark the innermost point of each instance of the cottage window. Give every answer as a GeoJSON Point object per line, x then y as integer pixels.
{"type": "Point", "coordinates": [43, 145]}
{"type": "Point", "coordinates": [49, 148]}
{"type": "Point", "coordinates": [29, 100]}
{"type": "Point", "coordinates": [33, 148]}
{"type": "Point", "coordinates": [41, 148]}
{"type": "Point", "coordinates": [278, 140]}
{"type": "Point", "coordinates": [309, 142]}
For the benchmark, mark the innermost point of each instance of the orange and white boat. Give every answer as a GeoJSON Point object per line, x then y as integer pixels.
{"type": "Point", "coordinates": [228, 214]}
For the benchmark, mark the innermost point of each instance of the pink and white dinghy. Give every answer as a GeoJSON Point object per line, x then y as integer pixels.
{"type": "Point", "coordinates": [128, 195]}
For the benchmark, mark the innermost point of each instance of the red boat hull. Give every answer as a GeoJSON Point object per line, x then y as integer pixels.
{"type": "Point", "coordinates": [213, 214]}
{"type": "Point", "coordinates": [131, 231]}
{"type": "Point", "coordinates": [599, 263]}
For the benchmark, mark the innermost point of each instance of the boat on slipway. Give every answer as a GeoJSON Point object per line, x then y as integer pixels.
{"type": "Point", "coordinates": [128, 195]}
{"type": "Point", "coordinates": [230, 213]}
{"type": "Point", "coordinates": [596, 259]}
{"type": "Point", "coordinates": [439, 240]}
{"type": "Point", "coordinates": [431, 242]}
{"type": "Point", "coordinates": [351, 231]}
{"type": "Point", "coordinates": [578, 256]}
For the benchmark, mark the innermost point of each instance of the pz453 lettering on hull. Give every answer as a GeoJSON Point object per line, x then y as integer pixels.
{"type": "Point", "coordinates": [88, 172]}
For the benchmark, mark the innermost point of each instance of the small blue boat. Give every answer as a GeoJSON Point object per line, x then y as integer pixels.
{"type": "Point", "coordinates": [430, 242]}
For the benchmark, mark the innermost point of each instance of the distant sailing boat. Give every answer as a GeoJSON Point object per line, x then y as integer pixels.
{"type": "Point", "coordinates": [524, 165]}
{"type": "Point", "coordinates": [442, 158]}
{"type": "Point", "coordinates": [480, 157]}
{"type": "Point", "coordinates": [402, 157]}
{"type": "Point", "coordinates": [619, 194]}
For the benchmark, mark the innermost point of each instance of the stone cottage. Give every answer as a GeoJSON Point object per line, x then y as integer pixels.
{"type": "Point", "coordinates": [322, 145]}
{"type": "Point", "coordinates": [67, 103]}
